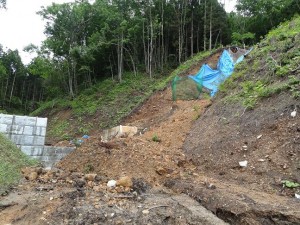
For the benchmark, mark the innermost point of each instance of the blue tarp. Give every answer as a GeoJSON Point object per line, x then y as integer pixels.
{"type": "Point", "coordinates": [211, 78]}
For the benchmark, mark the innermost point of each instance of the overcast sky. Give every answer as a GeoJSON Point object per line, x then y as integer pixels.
{"type": "Point", "coordinates": [21, 26]}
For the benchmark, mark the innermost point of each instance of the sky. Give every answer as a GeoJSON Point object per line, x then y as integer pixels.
{"type": "Point", "coordinates": [21, 26]}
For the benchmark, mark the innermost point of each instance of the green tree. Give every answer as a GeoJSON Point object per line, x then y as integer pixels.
{"type": "Point", "coordinates": [2, 4]}
{"type": "Point", "coordinates": [263, 15]}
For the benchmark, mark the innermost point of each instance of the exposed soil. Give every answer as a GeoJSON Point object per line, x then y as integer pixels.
{"type": "Point", "coordinates": [196, 153]}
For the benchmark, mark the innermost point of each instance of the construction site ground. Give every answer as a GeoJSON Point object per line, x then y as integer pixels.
{"type": "Point", "coordinates": [171, 179]}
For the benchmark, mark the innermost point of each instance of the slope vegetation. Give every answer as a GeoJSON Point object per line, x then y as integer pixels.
{"type": "Point", "coordinates": [11, 162]}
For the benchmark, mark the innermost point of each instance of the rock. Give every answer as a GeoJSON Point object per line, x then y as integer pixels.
{"type": "Point", "coordinates": [146, 211]}
{"type": "Point", "coordinates": [31, 173]}
{"type": "Point", "coordinates": [243, 163]}
{"type": "Point", "coordinates": [69, 180]}
{"type": "Point", "coordinates": [259, 136]}
{"type": "Point", "coordinates": [90, 176]}
{"type": "Point", "coordinates": [79, 183]}
{"type": "Point", "coordinates": [111, 184]}
{"type": "Point", "coordinates": [294, 113]}
{"type": "Point", "coordinates": [161, 171]}
{"type": "Point", "coordinates": [90, 184]}
{"type": "Point", "coordinates": [211, 186]}
{"type": "Point", "coordinates": [125, 182]}
{"type": "Point", "coordinates": [75, 175]}
{"type": "Point", "coordinates": [119, 222]}
{"type": "Point", "coordinates": [33, 176]}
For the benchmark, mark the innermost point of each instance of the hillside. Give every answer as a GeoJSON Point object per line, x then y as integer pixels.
{"type": "Point", "coordinates": [191, 148]}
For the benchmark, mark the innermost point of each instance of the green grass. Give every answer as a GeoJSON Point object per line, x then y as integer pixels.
{"type": "Point", "coordinates": [11, 161]}
{"type": "Point", "coordinates": [271, 68]}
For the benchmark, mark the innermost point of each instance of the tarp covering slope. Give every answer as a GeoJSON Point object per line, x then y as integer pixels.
{"type": "Point", "coordinates": [210, 78]}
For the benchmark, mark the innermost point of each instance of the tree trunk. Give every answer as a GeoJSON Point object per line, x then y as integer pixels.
{"type": "Point", "coordinates": [70, 80]}
{"type": "Point", "coordinates": [12, 88]}
{"type": "Point", "coordinates": [192, 32]}
{"type": "Point", "coordinates": [145, 50]}
{"type": "Point", "coordinates": [120, 57]}
{"type": "Point", "coordinates": [162, 35]}
{"type": "Point", "coordinates": [204, 28]}
{"type": "Point", "coordinates": [151, 45]}
{"type": "Point", "coordinates": [210, 27]}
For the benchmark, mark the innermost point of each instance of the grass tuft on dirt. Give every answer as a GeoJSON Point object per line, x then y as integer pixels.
{"type": "Point", "coordinates": [11, 161]}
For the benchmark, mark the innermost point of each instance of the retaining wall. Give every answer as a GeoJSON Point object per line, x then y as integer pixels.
{"type": "Point", "coordinates": [29, 134]}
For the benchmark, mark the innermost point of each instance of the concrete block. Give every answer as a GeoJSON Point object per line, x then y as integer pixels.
{"type": "Point", "coordinates": [20, 120]}
{"type": "Point", "coordinates": [3, 128]}
{"type": "Point", "coordinates": [43, 131]}
{"type": "Point", "coordinates": [119, 131]}
{"type": "Point", "coordinates": [17, 139]}
{"type": "Point", "coordinates": [15, 129]}
{"type": "Point", "coordinates": [48, 165]}
{"type": "Point", "coordinates": [32, 151]}
{"type": "Point", "coordinates": [39, 140]}
{"type": "Point", "coordinates": [40, 131]}
{"type": "Point", "coordinates": [52, 150]}
{"type": "Point", "coordinates": [28, 130]}
{"type": "Point", "coordinates": [27, 140]}
{"type": "Point", "coordinates": [37, 150]}
{"type": "Point", "coordinates": [31, 121]}
{"type": "Point", "coordinates": [41, 122]}
{"type": "Point", "coordinates": [6, 119]}
{"type": "Point", "coordinates": [26, 150]}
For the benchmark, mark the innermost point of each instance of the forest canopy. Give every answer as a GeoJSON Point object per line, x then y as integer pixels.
{"type": "Point", "coordinates": [87, 43]}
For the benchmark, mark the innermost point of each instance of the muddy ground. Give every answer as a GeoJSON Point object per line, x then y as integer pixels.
{"type": "Point", "coordinates": [192, 162]}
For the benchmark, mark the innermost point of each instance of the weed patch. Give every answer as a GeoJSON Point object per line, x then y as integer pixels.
{"type": "Point", "coordinates": [11, 161]}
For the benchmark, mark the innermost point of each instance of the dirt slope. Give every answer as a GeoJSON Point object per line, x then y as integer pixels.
{"type": "Point", "coordinates": [200, 145]}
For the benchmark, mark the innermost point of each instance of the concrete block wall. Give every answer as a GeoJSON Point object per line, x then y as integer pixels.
{"type": "Point", "coordinates": [24, 130]}
{"type": "Point", "coordinates": [47, 155]}
{"type": "Point", "coordinates": [29, 134]}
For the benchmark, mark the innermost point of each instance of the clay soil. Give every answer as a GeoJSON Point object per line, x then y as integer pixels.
{"type": "Point", "coordinates": [186, 155]}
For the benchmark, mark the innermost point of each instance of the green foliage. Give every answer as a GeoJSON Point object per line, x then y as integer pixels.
{"type": "Point", "coordinates": [271, 68]}
{"type": "Point", "coordinates": [51, 107]}
{"type": "Point", "coordinates": [11, 162]}
{"type": "Point", "coordinates": [263, 15]}
{"type": "Point", "coordinates": [290, 184]}
{"type": "Point", "coordinates": [294, 86]}
{"type": "Point", "coordinates": [59, 129]}
{"type": "Point", "coordinates": [282, 71]}
{"type": "Point", "coordinates": [155, 138]}
{"type": "Point", "coordinates": [238, 38]}
{"type": "Point", "coordinates": [251, 92]}
{"type": "Point", "coordinates": [88, 168]}
{"type": "Point", "coordinates": [197, 108]}
{"type": "Point", "coordinates": [2, 4]}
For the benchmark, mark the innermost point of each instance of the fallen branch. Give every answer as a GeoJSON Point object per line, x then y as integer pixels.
{"type": "Point", "coordinates": [158, 206]}
{"type": "Point", "coordinates": [123, 196]}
